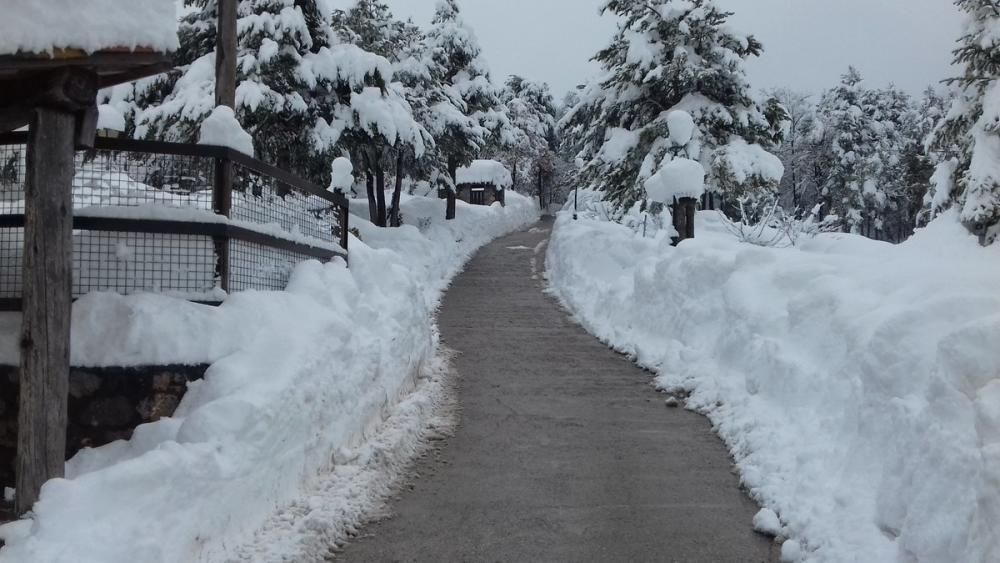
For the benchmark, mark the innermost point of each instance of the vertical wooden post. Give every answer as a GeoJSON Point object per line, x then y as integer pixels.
{"type": "Point", "coordinates": [48, 287]}
{"type": "Point", "coordinates": [222, 203]}
{"type": "Point", "coordinates": [225, 95]}
{"type": "Point", "coordinates": [452, 206]}
{"type": "Point", "coordinates": [690, 205]}
{"type": "Point", "coordinates": [225, 54]}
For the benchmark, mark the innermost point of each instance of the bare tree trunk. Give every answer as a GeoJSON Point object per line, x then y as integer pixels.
{"type": "Point", "coordinates": [394, 219]}
{"type": "Point", "coordinates": [370, 184]}
{"type": "Point", "coordinates": [450, 212]}
{"type": "Point", "coordinates": [380, 191]}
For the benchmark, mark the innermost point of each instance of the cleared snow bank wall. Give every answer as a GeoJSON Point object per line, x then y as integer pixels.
{"type": "Point", "coordinates": [297, 378]}
{"type": "Point", "coordinates": [856, 383]}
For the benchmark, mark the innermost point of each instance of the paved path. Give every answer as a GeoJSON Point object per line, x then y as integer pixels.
{"type": "Point", "coordinates": [564, 451]}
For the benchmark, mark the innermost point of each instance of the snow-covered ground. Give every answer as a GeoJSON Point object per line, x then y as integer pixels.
{"type": "Point", "coordinates": [856, 383]}
{"type": "Point", "coordinates": [284, 432]}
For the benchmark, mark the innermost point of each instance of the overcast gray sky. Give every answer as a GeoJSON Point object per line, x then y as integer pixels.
{"type": "Point", "coordinates": [808, 43]}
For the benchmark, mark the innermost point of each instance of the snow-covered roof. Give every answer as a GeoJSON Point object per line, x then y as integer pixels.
{"type": "Point", "coordinates": [35, 26]}
{"type": "Point", "coordinates": [485, 172]}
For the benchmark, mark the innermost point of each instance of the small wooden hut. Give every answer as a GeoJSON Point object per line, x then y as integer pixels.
{"type": "Point", "coordinates": [483, 182]}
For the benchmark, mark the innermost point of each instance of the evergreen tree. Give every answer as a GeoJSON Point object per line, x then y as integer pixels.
{"type": "Point", "coordinates": [799, 188]}
{"type": "Point", "coordinates": [968, 140]}
{"type": "Point", "coordinates": [369, 25]}
{"type": "Point", "coordinates": [303, 93]}
{"type": "Point", "coordinates": [531, 109]}
{"type": "Point", "coordinates": [457, 56]}
{"type": "Point", "coordinates": [865, 130]}
{"type": "Point", "coordinates": [672, 55]}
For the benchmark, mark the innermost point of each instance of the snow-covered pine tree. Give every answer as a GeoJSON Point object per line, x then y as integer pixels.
{"type": "Point", "coordinates": [456, 54]}
{"type": "Point", "coordinates": [867, 139]}
{"type": "Point", "coordinates": [532, 110]}
{"type": "Point", "coordinates": [370, 26]}
{"type": "Point", "coordinates": [304, 94]}
{"type": "Point", "coordinates": [968, 139]}
{"type": "Point", "coordinates": [672, 55]}
{"type": "Point", "coordinates": [799, 190]}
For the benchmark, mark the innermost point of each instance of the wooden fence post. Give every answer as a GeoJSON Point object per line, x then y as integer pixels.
{"type": "Point", "coordinates": [47, 304]}
{"type": "Point", "coordinates": [222, 203]}
{"type": "Point", "coordinates": [225, 54]}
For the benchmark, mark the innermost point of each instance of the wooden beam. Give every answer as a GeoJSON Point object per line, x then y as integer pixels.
{"type": "Point", "coordinates": [225, 54]}
{"type": "Point", "coordinates": [47, 302]}
{"type": "Point", "coordinates": [13, 117]}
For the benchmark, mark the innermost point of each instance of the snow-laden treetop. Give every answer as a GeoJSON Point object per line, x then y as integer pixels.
{"type": "Point", "coordinates": [42, 26]}
{"type": "Point", "coordinates": [485, 172]}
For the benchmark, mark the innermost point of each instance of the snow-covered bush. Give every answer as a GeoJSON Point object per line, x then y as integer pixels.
{"type": "Point", "coordinates": [763, 222]}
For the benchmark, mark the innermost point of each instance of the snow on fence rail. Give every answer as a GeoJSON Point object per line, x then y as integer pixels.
{"type": "Point", "coordinates": [193, 221]}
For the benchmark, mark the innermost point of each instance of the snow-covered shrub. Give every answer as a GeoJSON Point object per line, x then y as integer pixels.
{"type": "Point", "coordinates": [763, 222]}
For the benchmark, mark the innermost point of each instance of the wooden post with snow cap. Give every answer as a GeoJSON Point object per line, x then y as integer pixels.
{"type": "Point", "coordinates": [225, 95]}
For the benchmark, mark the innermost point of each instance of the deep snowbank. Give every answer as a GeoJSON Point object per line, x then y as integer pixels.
{"type": "Point", "coordinates": [298, 379]}
{"type": "Point", "coordinates": [856, 383]}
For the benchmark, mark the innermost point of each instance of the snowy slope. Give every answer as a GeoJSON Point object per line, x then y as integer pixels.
{"type": "Point", "coordinates": [298, 379]}
{"type": "Point", "coordinates": [856, 383]}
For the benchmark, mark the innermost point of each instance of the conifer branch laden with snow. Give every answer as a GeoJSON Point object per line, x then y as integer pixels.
{"type": "Point", "coordinates": [968, 139]}
{"type": "Point", "coordinates": [673, 55]}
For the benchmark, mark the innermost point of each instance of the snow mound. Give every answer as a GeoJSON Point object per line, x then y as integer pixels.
{"type": "Point", "coordinates": [299, 381]}
{"type": "Point", "coordinates": [222, 129]}
{"type": "Point", "coordinates": [33, 26]}
{"type": "Point", "coordinates": [681, 177]}
{"type": "Point", "coordinates": [341, 174]}
{"type": "Point", "coordinates": [110, 118]}
{"type": "Point", "coordinates": [855, 382]}
{"type": "Point", "coordinates": [485, 172]}
{"type": "Point", "coordinates": [681, 126]}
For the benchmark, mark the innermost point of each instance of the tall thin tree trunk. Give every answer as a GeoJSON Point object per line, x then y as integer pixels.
{"type": "Point", "coordinates": [394, 219]}
{"type": "Point", "coordinates": [453, 171]}
{"type": "Point", "coordinates": [370, 184]}
{"type": "Point", "coordinates": [380, 191]}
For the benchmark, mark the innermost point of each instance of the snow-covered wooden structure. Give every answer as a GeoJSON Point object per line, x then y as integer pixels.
{"type": "Point", "coordinates": [483, 182]}
{"type": "Point", "coordinates": [54, 57]}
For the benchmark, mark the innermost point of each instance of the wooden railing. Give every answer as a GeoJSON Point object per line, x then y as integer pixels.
{"type": "Point", "coordinates": [194, 221]}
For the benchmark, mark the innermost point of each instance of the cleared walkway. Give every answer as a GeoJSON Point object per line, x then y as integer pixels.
{"type": "Point", "coordinates": [564, 451]}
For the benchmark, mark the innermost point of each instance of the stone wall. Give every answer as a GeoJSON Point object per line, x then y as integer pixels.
{"type": "Point", "coordinates": [104, 405]}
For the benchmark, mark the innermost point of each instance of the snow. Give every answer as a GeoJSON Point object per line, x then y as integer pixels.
{"type": "Point", "coordinates": [766, 522]}
{"type": "Point", "coordinates": [485, 172]}
{"type": "Point", "coordinates": [679, 178]}
{"type": "Point", "coordinates": [855, 382]}
{"type": "Point", "coordinates": [221, 128]}
{"type": "Point", "coordinates": [744, 161]}
{"type": "Point", "coordinates": [287, 429]}
{"type": "Point", "coordinates": [681, 126]}
{"type": "Point", "coordinates": [342, 174]}
{"type": "Point", "coordinates": [32, 26]}
{"type": "Point", "coordinates": [110, 118]}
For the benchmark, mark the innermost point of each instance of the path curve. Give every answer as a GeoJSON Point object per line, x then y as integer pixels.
{"type": "Point", "coordinates": [564, 451]}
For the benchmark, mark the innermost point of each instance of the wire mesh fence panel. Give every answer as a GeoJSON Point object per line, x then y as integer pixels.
{"type": "Point", "coordinates": [178, 265]}
{"type": "Point", "coordinates": [112, 178]}
{"type": "Point", "coordinates": [261, 199]}
{"type": "Point", "coordinates": [128, 236]}
{"type": "Point", "coordinates": [260, 267]}
{"type": "Point", "coordinates": [11, 262]}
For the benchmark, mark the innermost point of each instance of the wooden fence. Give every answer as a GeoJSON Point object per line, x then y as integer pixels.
{"type": "Point", "coordinates": [185, 220]}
